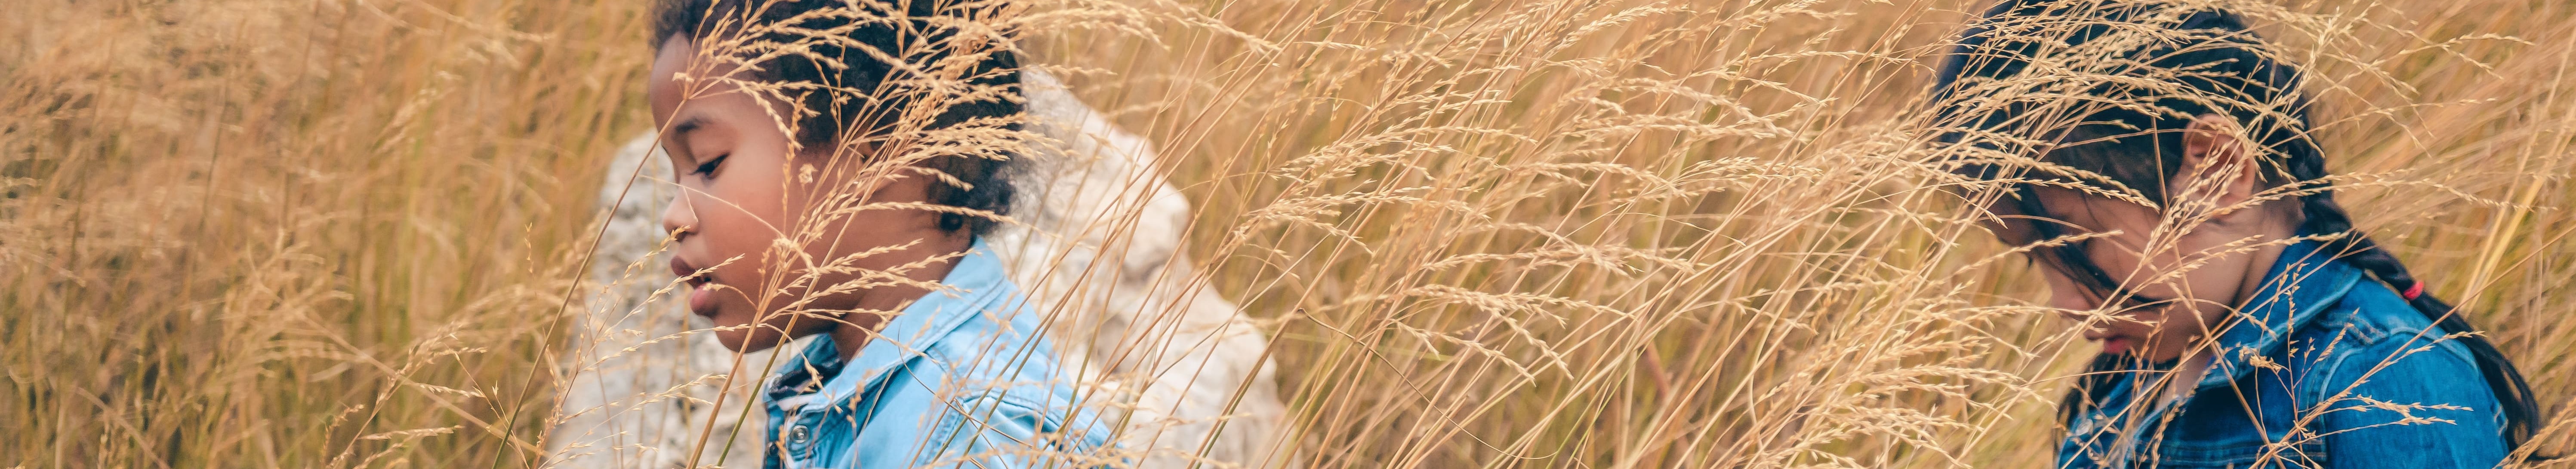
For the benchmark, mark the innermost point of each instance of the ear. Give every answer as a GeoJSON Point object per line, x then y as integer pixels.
{"type": "Point", "coordinates": [2217, 167]}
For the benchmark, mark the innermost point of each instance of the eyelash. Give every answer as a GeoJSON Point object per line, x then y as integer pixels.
{"type": "Point", "coordinates": [709, 168]}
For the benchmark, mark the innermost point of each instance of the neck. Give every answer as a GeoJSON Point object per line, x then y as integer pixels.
{"type": "Point", "coordinates": [880, 303]}
{"type": "Point", "coordinates": [2256, 270]}
{"type": "Point", "coordinates": [2261, 265]}
{"type": "Point", "coordinates": [2272, 231]}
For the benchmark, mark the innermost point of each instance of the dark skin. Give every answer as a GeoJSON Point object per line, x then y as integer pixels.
{"type": "Point", "coordinates": [745, 198]}
{"type": "Point", "coordinates": [2163, 312]}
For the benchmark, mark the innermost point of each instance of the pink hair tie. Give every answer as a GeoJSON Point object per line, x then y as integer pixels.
{"type": "Point", "coordinates": [2413, 291]}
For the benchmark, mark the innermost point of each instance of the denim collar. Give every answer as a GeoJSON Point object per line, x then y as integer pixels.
{"type": "Point", "coordinates": [2300, 285]}
{"type": "Point", "coordinates": [969, 289]}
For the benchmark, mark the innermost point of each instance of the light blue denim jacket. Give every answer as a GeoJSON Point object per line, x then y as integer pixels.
{"type": "Point", "coordinates": [961, 378]}
{"type": "Point", "coordinates": [2299, 382]}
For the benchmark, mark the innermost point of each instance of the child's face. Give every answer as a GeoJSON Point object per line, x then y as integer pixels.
{"type": "Point", "coordinates": [2165, 309]}
{"type": "Point", "coordinates": [743, 189]}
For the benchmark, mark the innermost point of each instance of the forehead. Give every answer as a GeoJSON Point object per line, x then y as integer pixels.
{"type": "Point", "coordinates": [2072, 211]}
{"type": "Point", "coordinates": [680, 75]}
{"type": "Point", "coordinates": [662, 85]}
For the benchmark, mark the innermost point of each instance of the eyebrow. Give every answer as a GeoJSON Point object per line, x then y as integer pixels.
{"type": "Point", "coordinates": [688, 125]}
{"type": "Point", "coordinates": [678, 139]}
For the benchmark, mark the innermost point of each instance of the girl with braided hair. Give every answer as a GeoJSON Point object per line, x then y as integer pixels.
{"type": "Point", "coordinates": [2155, 159]}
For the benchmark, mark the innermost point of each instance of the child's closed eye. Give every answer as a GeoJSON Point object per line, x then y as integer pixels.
{"type": "Point", "coordinates": [709, 168]}
{"type": "Point", "coordinates": [2138, 302]}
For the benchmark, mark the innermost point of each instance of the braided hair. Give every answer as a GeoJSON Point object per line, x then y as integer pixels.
{"type": "Point", "coordinates": [838, 71]}
{"type": "Point", "coordinates": [2155, 67]}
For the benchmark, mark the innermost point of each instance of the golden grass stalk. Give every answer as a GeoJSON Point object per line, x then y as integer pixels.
{"type": "Point", "coordinates": [1690, 233]}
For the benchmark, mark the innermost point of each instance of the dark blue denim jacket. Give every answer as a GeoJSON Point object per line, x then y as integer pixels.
{"type": "Point", "coordinates": [2325, 368]}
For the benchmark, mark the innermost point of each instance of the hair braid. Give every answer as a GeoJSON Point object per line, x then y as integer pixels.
{"type": "Point", "coordinates": [2325, 216]}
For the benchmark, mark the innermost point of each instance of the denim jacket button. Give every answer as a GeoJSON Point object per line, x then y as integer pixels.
{"type": "Point", "coordinates": [798, 434]}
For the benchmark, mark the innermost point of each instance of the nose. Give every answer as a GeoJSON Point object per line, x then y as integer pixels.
{"type": "Point", "coordinates": [2070, 308]}
{"type": "Point", "coordinates": [2070, 300]}
{"type": "Point", "coordinates": [679, 218]}
{"type": "Point", "coordinates": [2060, 298]}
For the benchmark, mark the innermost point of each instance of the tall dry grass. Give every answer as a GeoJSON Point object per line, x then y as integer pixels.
{"type": "Point", "coordinates": [296, 234]}
{"type": "Point", "coordinates": [1553, 233]}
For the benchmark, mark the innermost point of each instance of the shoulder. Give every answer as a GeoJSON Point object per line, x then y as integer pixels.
{"type": "Point", "coordinates": [2384, 376]}
{"type": "Point", "coordinates": [1005, 401]}
{"type": "Point", "coordinates": [2371, 325]}
{"type": "Point", "coordinates": [992, 432]}
{"type": "Point", "coordinates": [997, 362]}
{"type": "Point", "coordinates": [1004, 419]}
{"type": "Point", "coordinates": [1000, 338]}
{"type": "Point", "coordinates": [2376, 359]}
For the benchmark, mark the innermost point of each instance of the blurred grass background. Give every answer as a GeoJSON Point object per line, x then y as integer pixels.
{"type": "Point", "coordinates": [1544, 233]}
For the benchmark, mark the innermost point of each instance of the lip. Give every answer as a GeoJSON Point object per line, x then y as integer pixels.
{"type": "Point", "coordinates": [701, 299]}
{"type": "Point", "coordinates": [2114, 344]}
{"type": "Point", "coordinates": [680, 268]}
{"type": "Point", "coordinates": [2117, 345]}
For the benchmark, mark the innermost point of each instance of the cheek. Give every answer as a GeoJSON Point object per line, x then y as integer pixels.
{"type": "Point", "coordinates": [735, 227]}
{"type": "Point", "coordinates": [2210, 284]}
{"type": "Point", "coordinates": [741, 212]}
{"type": "Point", "coordinates": [2120, 259]}
{"type": "Point", "coordinates": [2145, 273]}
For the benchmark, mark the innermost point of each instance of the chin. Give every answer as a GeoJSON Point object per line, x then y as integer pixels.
{"type": "Point", "coordinates": [746, 342]}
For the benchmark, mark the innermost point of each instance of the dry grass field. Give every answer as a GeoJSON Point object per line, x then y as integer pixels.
{"type": "Point", "coordinates": [1481, 233]}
